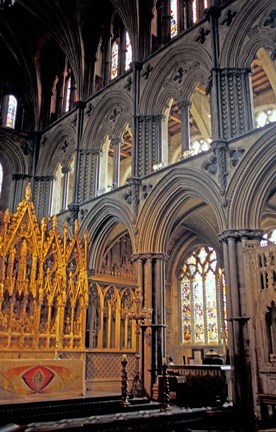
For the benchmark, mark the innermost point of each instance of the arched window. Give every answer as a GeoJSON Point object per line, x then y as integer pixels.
{"type": "Point", "coordinates": [11, 114]}
{"type": "Point", "coordinates": [63, 186]}
{"type": "Point", "coordinates": [1, 178]}
{"type": "Point", "coordinates": [197, 9]}
{"type": "Point", "coordinates": [128, 52]}
{"type": "Point", "coordinates": [114, 59]}
{"type": "Point", "coordinates": [203, 305]}
{"type": "Point", "coordinates": [67, 93]}
{"type": "Point", "coordinates": [174, 21]}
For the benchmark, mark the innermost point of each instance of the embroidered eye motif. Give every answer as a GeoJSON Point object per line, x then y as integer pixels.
{"type": "Point", "coordinates": [38, 378]}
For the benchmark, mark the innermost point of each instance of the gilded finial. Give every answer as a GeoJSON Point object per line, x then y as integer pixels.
{"type": "Point", "coordinates": [28, 192]}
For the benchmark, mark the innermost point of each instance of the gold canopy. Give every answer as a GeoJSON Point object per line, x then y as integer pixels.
{"type": "Point", "coordinates": [43, 282]}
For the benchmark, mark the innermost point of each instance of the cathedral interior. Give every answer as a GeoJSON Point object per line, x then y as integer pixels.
{"type": "Point", "coordinates": [138, 199]}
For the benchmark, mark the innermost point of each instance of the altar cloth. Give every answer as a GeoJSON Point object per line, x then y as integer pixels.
{"type": "Point", "coordinates": [22, 379]}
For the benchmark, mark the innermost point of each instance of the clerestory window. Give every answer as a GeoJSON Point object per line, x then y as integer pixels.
{"type": "Point", "coordinates": [11, 113]}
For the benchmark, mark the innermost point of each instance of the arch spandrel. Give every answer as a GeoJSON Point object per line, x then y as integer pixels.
{"type": "Point", "coordinates": [192, 64]}
{"type": "Point", "coordinates": [108, 117]}
{"type": "Point", "coordinates": [56, 147]}
{"type": "Point", "coordinates": [248, 33]}
{"type": "Point", "coordinates": [175, 198]}
{"type": "Point", "coordinates": [254, 179]}
{"type": "Point", "coordinates": [101, 220]}
{"type": "Point", "coordinates": [11, 155]}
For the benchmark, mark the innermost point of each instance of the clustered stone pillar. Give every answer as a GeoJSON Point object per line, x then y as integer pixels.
{"type": "Point", "coordinates": [43, 190]}
{"type": "Point", "coordinates": [151, 279]}
{"type": "Point", "coordinates": [233, 242]}
{"type": "Point", "coordinates": [185, 125]}
{"type": "Point", "coordinates": [148, 145]}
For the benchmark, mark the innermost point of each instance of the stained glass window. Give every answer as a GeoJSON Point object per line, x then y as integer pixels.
{"type": "Point", "coordinates": [194, 8]}
{"type": "Point", "coordinates": [114, 59]}
{"type": "Point", "coordinates": [173, 6]}
{"type": "Point", "coordinates": [11, 115]}
{"type": "Point", "coordinates": [203, 301]}
{"type": "Point", "coordinates": [128, 52]}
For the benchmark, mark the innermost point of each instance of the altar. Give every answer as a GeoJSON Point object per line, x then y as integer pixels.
{"type": "Point", "coordinates": [24, 380]}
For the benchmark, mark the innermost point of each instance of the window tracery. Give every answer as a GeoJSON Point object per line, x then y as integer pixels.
{"type": "Point", "coordinates": [203, 300]}
{"type": "Point", "coordinates": [265, 117]}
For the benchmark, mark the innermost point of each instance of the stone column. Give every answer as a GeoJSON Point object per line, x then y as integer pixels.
{"type": "Point", "coordinates": [184, 107]}
{"type": "Point", "coordinates": [237, 317]}
{"type": "Point", "coordinates": [236, 101]}
{"type": "Point", "coordinates": [151, 277]}
{"type": "Point", "coordinates": [95, 180]}
{"type": "Point", "coordinates": [43, 194]}
{"type": "Point", "coordinates": [106, 54]}
{"type": "Point", "coordinates": [148, 150]}
{"type": "Point", "coordinates": [166, 23]}
{"type": "Point", "coordinates": [116, 144]}
{"type": "Point", "coordinates": [80, 105]}
{"type": "Point", "coordinates": [136, 68]}
{"type": "Point", "coordinates": [65, 172]}
{"type": "Point", "coordinates": [19, 183]}
{"type": "Point", "coordinates": [213, 15]}
{"type": "Point", "coordinates": [60, 94]}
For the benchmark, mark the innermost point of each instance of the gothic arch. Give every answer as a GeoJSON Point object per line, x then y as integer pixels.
{"type": "Point", "coordinates": [109, 117]}
{"type": "Point", "coordinates": [103, 218]}
{"type": "Point", "coordinates": [59, 147]}
{"type": "Point", "coordinates": [193, 63]}
{"type": "Point", "coordinates": [13, 162]}
{"type": "Point", "coordinates": [247, 34]}
{"type": "Point", "coordinates": [12, 157]}
{"type": "Point", "coordinates": [254, 177]}
{"type": "Point", "coordinates": [181, 192]}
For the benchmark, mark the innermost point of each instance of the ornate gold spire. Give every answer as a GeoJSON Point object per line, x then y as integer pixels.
{"type": "Point", "coordinates": [28, 192]}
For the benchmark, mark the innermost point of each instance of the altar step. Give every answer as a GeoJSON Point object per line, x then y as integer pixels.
{"type": "Point", "coordinates": [24, 413]}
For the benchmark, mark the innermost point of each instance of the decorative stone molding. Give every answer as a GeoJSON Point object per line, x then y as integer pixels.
{"type": "Point", "coordinates": [271, 20]}
{"type": "Point", "coordinates": [128, 84]}
{"type": "Point", "coordinates": [211, 166]}
{"type": "Point", "coordinates": [89, 109]}
{"type": "Point", "coordinates": [146, 188]}
{"type": "Point", "coordinates": [240, 234]}
{"type": "Point", "coordinates": [74, 212]}
{"type": "Point", "coordinates": [228, 17]}
{"type": "Point", "coordinates": [201, 38]}
{"type": "Point", "coordinates": [236, 156]}
{"type": "Point", "coordinates": [220, 148]}
{"type": "Point", "coordinates": [149, 143]}
{"type": "Point", "coordinates": [133, 194]}
{"type": "Point", "coordinates": [147, 71]}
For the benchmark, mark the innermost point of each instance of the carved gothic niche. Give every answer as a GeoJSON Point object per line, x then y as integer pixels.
{"type": "Point", "coordinates": [117, 260]}
{"type": "Point", "coordinates": [270, 328]}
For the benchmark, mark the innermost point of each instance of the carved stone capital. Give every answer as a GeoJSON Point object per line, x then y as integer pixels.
{"type": "Point", "coordinates": [116, 142]}
{"type": "Point", "coordinates": [240, 234]}
{"type": "Point", "coordinates": [185, 104]}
